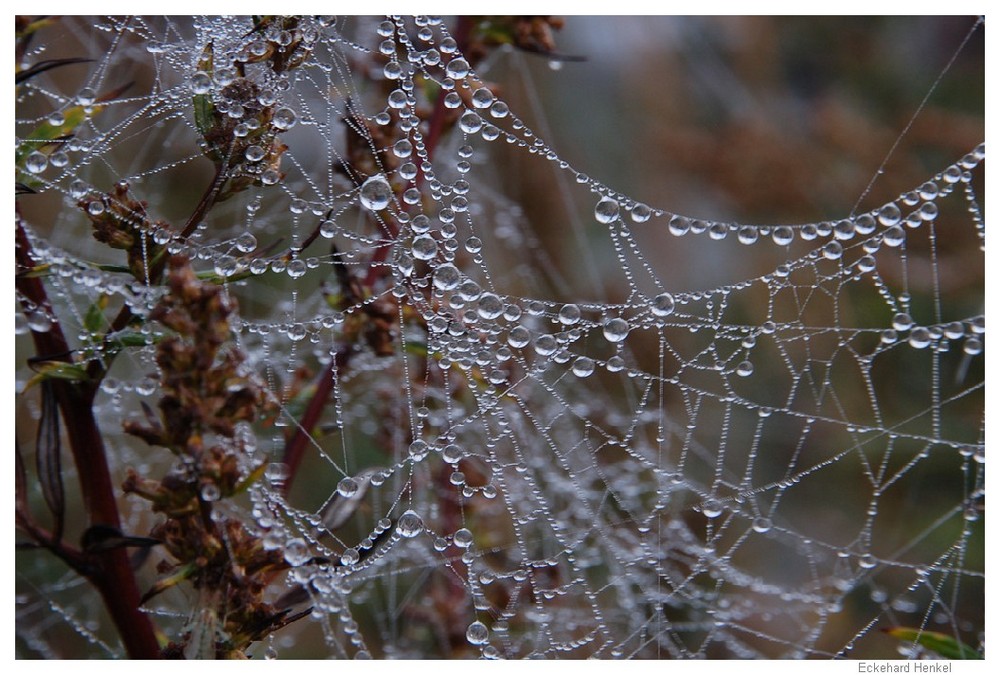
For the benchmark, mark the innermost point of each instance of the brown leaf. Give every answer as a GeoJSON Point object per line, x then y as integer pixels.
{"type": "Point", "coordinates": [48, 458]}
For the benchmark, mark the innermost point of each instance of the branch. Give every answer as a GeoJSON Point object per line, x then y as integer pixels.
{"type": "Point", "coordinates": [112, 574]}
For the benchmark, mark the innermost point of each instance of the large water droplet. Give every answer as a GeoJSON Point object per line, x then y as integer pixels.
{"type": "Point", "coordinates": [490, 306]}
{"type": "Point", "coordinates": [712, 508]}
{"type": "Point", "coordinates": [641, 213]}
{"type": "Point", "coordinates": [296, 552]}
{"type": "Point", "coordinates": [376, 193]}
{"type": "Point", "coordinates": [246, 242]}
{"type": "Point", "coordinates": [36, 162]}
{"type": "Point", "coordinates": [457, 68]}
{"type": "Point", "coordinates": [902, 321]}
{"type": "Point", "coordinates": [284, 118]}
{"type": "Point", "coordinates": [446, 277]}
{"type": "Point", "coordinates": [569, 315]}
{"type": "Point", "coordinates": [86, 96]}
{"type": "Point", "coordinates": [348, 487]}
{"type": "Point", "coordinates": [410, 524]}
{"type": "Point", "coordinates": [606, 211]}
{"type": "Point", "coordinates": [201, 83]}
{"type": "Point", "coordinates": [519, 337]}
{"type": "Point", "coordinates": [462, 538]}
{"type": "Point", "coordinates": [615, 329]}
{"type": "Point", "coordinates": [478, 633]}
{"type": "Point", "coordinates": [894, 236]}
{"type": "Point", "coordinates": [662, 305]}
{"type": "Point", "coordinates": [583, 366]}
{"type": "Point", "coordinates": [424, 247]}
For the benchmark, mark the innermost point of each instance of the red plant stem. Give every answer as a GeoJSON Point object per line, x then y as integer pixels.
{"type": "Point", "coordinates": [110, 570]}
{"type": "Point", "coordinates": [296, 447]}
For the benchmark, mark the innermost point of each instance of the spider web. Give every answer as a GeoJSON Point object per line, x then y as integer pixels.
{"type": "Point", "coordinates": [540, 439]}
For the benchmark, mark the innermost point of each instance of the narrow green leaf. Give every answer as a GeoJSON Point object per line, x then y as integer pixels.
{"type": "Point", "coordinates": [939, 643]}
{"type": "Point", "coordinates": [130, 338]}
{"type": "Point", "coordinates": [251, 478]}
{"type": "Point", "coordinates": [43, 137]}
{"type": "Point", "coordinates": [94, 319]}
{"type": "Point", "coordinates": [57, 370]}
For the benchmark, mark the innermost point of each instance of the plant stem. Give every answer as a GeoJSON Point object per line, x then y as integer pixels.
{"type": "Point", "coordinates": [111, 571]}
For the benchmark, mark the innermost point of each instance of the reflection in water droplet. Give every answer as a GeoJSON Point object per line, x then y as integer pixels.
{"type": "Point", "coordinates": [376, 193]}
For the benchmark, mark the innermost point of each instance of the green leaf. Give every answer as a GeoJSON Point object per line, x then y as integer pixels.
{"type": "Point", "coordinates": [939, 643]}
{"type": "Point", "coordinates": [251, 478]}
{"type": "Point", "coordinates": [57, 370]}
{"type": "Point", "coordinates": [203, 110]}
{"type": "Point", "coordinates": [94, 320]}
{"type": "Point", "coordinates": [43, 137]}
{"type": "Point", "coordinates": [130, 338]}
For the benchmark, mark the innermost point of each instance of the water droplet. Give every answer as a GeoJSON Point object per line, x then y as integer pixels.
{"type": "Point", "coordinates": [712, 508]}
{"type": "Point", "coordinates": [546, 345]}
{"type": "Point", "coordinates": [200, 83]}
{"type": "Point", "coordinates": [296, 552]}
{"type": "Point", "coordinates": [490, 306]}
{"type": "Point", "coordinates": [679, 226]}
{"type": "Point", "coordinates": [246, 242]}
{"type": "Point", "coordinates": [376, 193]}
{"type": "Point", "coordinates": [662, 305]}
{"type": "Point", "coordinates": [569, 315]}
{"type": "Point", "coordinates": [424, 247]}
{"type": "Point", "coordinates": [889, 215]}
{"type": "Point", "coordinates": [410, 524]}
{"type": "Point", "coordinates": [457, 68]}
{"type": "Point", "coordinates": [615, 364]}
{"type": "Point", "coordinates": [348, 487]}
{"type": "Point", "coordinates": [482, 98]}
{"type": "Point", "coordinates": [462, 538]}
{"type": "Point", "coordinates": [894, 237]}
{"type": "Point", "coordinates": [470, 122]}
{"type": "Point", "coordinates": [606, 211]}
{"type": "Point", "coordinates": [284, 118]}
{"type": "Point", "coordinates": [36, 162]}
{"type": "Point", "coordinates": [747, 234]}
{"type": "Point", "coordinates": [402, 148]}
{"type": "Point", "coordinates": [86, 97]}
{"type": "Point", "coordinates": [972, 346]}
{"type": "Point", "coordinates": [95, 208]}
{"type": "Point", "coordinates": [350, 557]}
{"type": "Point", "coordinates": [518, 337]}
{"type": "Point", "coordinates": [833, 250]}
{"type": "Point", "coordinates": [783, 235]}
{"type": "Point", "coordinates": [744, 369]}
{"type": "Point", "coordinates": [478, 633]}
{"type": "Point", "coordinates": [867, 561]}
{"type": "Point", "coordinates": [615, 329]}
{"type": "Point", "coordinates": [254, 153]}
{"type": "Point", "coordinates": [452, 453]}
{"type": "Point", "coordinates": [641, 213]}
{"type": "Point", "coordinates": [920, 338]}
{"type": "Point", "coordinates": [210, 492]}
{"type": "Point", "coordinates": [296, 268]}
{"type": "Point", "coordinates": [418, 450]}
{"type": "Point", "coordinates": [446, 277]}
{"type": "Point", "coordinates": [902, 321]}
{"type": "Point", "coordinates": [583, 366]}
{"type": "Point", "coordinates": [761, 524]}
